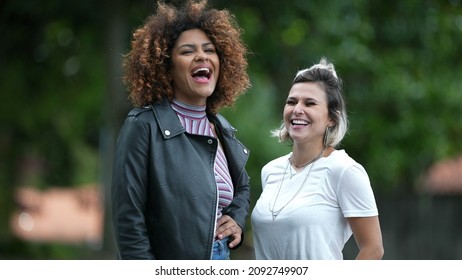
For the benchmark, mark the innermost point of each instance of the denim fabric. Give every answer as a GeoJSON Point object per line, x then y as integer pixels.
{"type": "Point", "coordinates": [220, 250]}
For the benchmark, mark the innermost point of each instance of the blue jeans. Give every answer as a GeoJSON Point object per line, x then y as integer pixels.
{"type": "Point", "coordinates": [220, 249]}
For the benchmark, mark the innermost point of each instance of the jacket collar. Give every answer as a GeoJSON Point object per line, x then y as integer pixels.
{"type": "Point", "coordinates": [171, 126]}
{"type": "Point", "coordinates": [167, 119]}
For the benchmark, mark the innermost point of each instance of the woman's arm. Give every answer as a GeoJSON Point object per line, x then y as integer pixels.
{"type": "Point", "coordinates": [129, 193]}
{"type": "Point", "coordinates": [368, 236]}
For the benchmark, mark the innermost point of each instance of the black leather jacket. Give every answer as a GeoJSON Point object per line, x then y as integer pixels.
{"type": "Point", "coordinates": [164, 194]}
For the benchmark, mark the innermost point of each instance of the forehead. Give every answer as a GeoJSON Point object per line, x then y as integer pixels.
{"type": "Point", "coordinates": [192, 36]}
{"type": "Point", "coordinates": [308, 90]}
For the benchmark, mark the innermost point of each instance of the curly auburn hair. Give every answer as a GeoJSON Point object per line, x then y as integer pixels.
{"type": "Point", "coordinates": [147, 65]}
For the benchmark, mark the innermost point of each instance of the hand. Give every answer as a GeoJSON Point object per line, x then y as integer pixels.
{"type": "Point", "coordinates": [226, 226]}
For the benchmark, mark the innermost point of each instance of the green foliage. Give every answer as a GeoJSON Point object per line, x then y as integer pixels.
{"type": "Point", "coordinates": [254, 121]}
{"type": "Point", "coordinates": [52, 88]}
{"type": "Point", "coordinates": [53, 76]}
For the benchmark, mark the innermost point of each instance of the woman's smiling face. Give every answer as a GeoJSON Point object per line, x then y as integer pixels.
{"type": "Point", "coordinates": [195, 67]}
{"type": "Point", "coordinates": [306, 113]}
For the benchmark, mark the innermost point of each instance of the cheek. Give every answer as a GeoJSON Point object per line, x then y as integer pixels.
{"type": "Point", "coordinates": [285, 111]}
{"type": "Point", "coordinates": [216, 64]}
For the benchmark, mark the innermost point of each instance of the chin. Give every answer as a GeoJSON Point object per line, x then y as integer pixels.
{"type": "Point", "coordinates": [206, 94]}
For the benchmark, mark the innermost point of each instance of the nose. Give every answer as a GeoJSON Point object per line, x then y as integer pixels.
{"type": "Point", "coordinates": [202, 56]}
{"type": "Point", "coordinates": [297, 110]}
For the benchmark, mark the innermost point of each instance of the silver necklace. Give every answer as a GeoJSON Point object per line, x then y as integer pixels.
{"type": "Point", "coordinates": [276, 213]}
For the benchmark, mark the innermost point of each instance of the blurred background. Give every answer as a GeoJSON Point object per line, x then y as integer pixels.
{"type": "Point", "coordinates": [63, 103]}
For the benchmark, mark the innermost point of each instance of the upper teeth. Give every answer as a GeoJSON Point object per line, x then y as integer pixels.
{"type": "Point", "coordinates": [299, 122]}
{"type": "Point", "coordinates": [202, 69]}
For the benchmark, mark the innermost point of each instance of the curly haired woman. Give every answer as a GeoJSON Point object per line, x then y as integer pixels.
{"type": "Point", "coordinates": [180, 189]}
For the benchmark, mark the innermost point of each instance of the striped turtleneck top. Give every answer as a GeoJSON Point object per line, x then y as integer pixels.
{"type": "Point", "coordinates": [195, 121]}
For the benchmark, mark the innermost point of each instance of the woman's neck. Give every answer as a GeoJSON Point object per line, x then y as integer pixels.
{"type": "Point", "coordinates": [189, 111]}
{"type": "Point", "coordinates": [303, 155]}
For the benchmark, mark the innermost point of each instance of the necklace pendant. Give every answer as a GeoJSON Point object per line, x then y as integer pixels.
{"type": "Point", "coordinates": [274, 216]}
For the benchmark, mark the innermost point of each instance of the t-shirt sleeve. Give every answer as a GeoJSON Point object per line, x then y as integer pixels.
{"type": "Point", "coordinates": [264, 175]}
{"type": "Point", "coordinates": [355, 194]}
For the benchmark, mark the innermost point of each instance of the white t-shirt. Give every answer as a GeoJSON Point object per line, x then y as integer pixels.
{"type": "Point", "coordinates": [312, 225]}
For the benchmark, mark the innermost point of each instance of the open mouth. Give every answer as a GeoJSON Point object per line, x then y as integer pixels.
{"type": "Point", "coordinates": [201, 74]}
{"type": "Point", "coordinates": [299, 122]}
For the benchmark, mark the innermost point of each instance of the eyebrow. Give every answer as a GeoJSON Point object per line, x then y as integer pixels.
{"type": "Point", "coordinates": [194, 45]}
{"type": "Point", "coordinates": [305, 99]}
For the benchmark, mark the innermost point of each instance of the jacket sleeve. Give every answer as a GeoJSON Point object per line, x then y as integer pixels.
{"type": "Point", "coordinates": [129, 190]}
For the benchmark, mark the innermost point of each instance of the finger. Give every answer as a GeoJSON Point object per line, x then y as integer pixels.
{"type": "Point", "coordinates": [235, 240]}
{"type": "Point", "coordinates": [228, 229]}
{"type": "Point", "coordinates": [224, 231]}
{"type": "Point", "coordinates": [224, 223]}
{"type": "Point", "coordinates": [222, 220]}
{"type": "Point", "coordinates": [228, 224]}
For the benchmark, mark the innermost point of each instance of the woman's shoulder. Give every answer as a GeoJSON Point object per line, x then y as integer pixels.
{"type": "Point", "coordinates": [276, 165]}
{"type": "Point", "coordinates": [339, 160]}
{"type": "Point", "coordinates": [137, 112]}
{"type": "Point", "coordinates": [277, 162]}
{"type": "Point", "coordinates": [139, 118]}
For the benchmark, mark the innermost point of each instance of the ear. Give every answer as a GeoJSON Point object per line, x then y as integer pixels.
{"type": "Point", "coordinates": [331, 123]}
